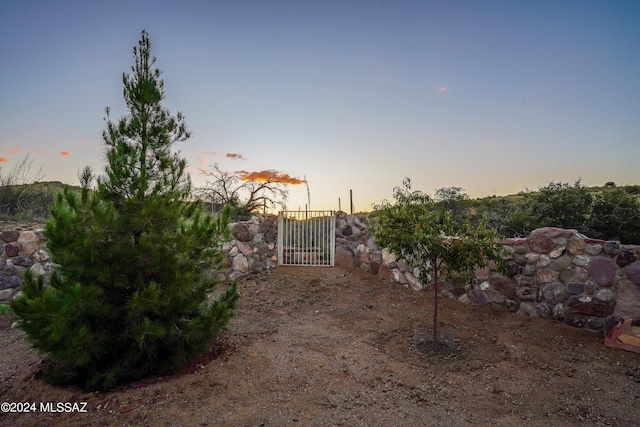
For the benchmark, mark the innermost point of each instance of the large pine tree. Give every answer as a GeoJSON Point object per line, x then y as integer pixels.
{"type": "Point", "coordinates": [132, 295]}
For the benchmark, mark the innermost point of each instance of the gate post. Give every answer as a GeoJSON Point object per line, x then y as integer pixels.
{"type": "Point", "coordinates": [280, 237]}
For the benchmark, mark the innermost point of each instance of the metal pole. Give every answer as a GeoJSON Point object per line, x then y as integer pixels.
{"type": "Point", "coordinates": [351, 200]}
{"type": "Point", "coordinates": [281, 233]}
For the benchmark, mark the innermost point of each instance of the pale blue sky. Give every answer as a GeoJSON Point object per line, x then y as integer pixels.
{"type": "Point", "coordinates": [491, 96]}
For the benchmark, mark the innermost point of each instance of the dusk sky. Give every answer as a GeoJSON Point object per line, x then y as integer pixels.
{"type": "Point", "coordinates": [491, 96]}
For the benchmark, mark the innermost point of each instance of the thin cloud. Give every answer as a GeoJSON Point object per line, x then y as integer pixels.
{"type": "Point", "coordinates": [203, 171]}
{"type": "Point", "coordinates": [14, 150]}
{"type": "Point", "coordinates": [272, 175]}
{"type": "Point", "coordinates": [234, 156]}
{"type": "Point", "coordinates": [443, 89]}
{"type": "Point", "coordinates": [201, 157]}
{"type": "Point", "coordinates": [64, 153]}
{"type": "Point", "coordinates": [3, 160]}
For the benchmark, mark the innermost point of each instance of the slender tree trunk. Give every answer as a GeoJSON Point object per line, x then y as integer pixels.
{"type": "Point", "coordinates": [435, 308]}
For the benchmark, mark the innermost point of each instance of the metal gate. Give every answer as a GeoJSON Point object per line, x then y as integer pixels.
{"type": "Point", "coordinates": [307, 238]}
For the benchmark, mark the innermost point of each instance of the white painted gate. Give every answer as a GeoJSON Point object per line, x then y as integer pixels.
{"type": "Point", "coordinates": [307, 238]}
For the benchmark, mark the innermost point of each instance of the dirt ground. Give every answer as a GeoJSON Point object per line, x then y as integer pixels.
{"type": "Point", "coordinates": [332, 347]}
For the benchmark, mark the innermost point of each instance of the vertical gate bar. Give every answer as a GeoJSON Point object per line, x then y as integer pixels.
{"type": "Point", "coordinates": [324, 244]}
{"type": "Point", "coordinates": [323, 232]}
{"type": "Point", "coordinates": [321, 240]}
{"type": "Point", "coordinates": [301, 239]}
{"type": "Point", "coordinates": [292, 253]}
{"type": "Point", "coordinates": [309, 241]}
{"type": "Point", "coordinates": [303, 226]}
{"type": "Point", "coordinates": [299, 242]}
{"type": "Point", "coordinates": [333, 238]}
{"type": "Point", "coordinates": [308, 236]}
{"type": "Point", "coordinates": [288, 240]}
{"type": "Point", "coordinates": [327, 238]}
{"type": "Point", "coordinates": [314, 258]}
{"type": "Point", "coordinates": [329, 231]}
{"type": "Point", "coordinates": [292, 248]}
{"type": "Point", "coordinates": [291, 235]}
{"type": "Point", "coordinates": [280, 231]}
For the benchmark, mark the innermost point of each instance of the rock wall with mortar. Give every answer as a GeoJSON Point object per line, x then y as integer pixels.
{"type": "Point", "coordinates": [21, 250]}
{"type": "Point", "coordinates": [564, 275]}
{"type": "Point", "coordinates": [252, 249]}
{"type": "Point", "coordinates": [553, 273]}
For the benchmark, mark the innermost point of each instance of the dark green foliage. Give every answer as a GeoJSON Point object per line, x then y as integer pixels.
{"type": "Point", "coordinates": [609, 212]}
{"type": "Point", "coordinates": [616, 216]}
{"type": "Point", "coordinates": [455, 201]}
{"type": "Point", "coordinates": [633, 189]}
{"type": "Point", "coordinates": [5, 309]}
{"type": "Point", "coordinates": [562, 205]}
{"type": "Point", "coordinates": [131, 297]}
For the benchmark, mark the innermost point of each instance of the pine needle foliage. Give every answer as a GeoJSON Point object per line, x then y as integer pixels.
{"type": "Point", "coordinates": [132, 294]}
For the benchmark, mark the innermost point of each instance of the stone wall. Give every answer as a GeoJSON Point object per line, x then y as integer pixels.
{"type": "Point", "coordinates": [21, 250]}
{"type": "Point", "coordinates": [564, 275]}
{"type": "Point", "coordinates": [253, 248]}
{"type": "Point", "coordinates": [356, 248]}
{"type": "Point", "coordinates": [553, 273]}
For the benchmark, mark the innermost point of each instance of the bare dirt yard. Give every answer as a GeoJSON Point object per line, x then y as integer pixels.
{"type": "Point", "coordinates": [331, 347]}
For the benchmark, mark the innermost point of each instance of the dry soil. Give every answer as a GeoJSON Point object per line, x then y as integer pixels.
{"type": "Point", "coordinates": [331, 347]}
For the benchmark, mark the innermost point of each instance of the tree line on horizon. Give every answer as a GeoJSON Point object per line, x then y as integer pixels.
{"type": "Point", "coordinates": [609, 212]}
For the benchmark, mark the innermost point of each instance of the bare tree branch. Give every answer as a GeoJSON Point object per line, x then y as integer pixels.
{"type": "Point", "coordinates": [246, 196]}
{"type": "Point", "coordinates": [14, 186]}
